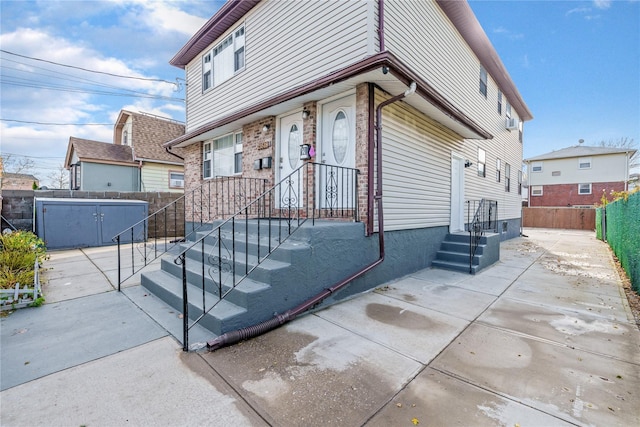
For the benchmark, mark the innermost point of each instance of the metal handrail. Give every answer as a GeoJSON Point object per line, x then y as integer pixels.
{"type": "Point", "coordinates": [485, 218]}
{"type": "Point", "coordinates": [169, 230]}
{"type": "Point", "coordinates": [312, 191]}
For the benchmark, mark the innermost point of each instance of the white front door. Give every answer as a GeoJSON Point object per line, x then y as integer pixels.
{"type": "Point", "coordinates": [337, 149]}
{"type": "Point", "coordinates": [456, 222]}
{"type": "Point", "coordinates": [289, 140]}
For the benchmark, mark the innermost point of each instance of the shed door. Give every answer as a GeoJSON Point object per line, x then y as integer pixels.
{"type": "Point", "coordinates": [115, 218]}
{"type": "Point", "coordinates": [70, 225]}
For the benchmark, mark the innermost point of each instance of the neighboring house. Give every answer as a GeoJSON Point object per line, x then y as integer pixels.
{"type": "Point", "coordinates": [135, 161]}
{"type": "Point", "coordinates": [18, 181]}
{"type": "Point", "coordinates": [577, 176]}
{"type": "Point", "coordinates": [274, 84]}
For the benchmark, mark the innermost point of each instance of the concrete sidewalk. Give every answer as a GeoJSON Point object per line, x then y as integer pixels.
{"type": "Point", "coordinates": [544, 337]}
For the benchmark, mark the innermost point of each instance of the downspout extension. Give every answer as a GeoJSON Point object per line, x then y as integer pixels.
{"type": "Point", "coordinates": [233, 337]}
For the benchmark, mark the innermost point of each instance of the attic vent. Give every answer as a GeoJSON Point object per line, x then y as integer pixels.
{"type": "Point", "coordinates": [511, 124]}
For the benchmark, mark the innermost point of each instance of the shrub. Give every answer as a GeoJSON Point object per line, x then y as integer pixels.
{"type": "Point", "coordinates": [19, 251]}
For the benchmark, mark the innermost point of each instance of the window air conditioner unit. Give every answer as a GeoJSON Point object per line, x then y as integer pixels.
{"type": "Point", "coordinates": [511, 124]}
{"type": "Point", "coordinates": [177, 183]}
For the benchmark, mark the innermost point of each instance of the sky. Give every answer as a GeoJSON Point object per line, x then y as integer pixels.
{"type": "Point", "coordinates": [575, 63]}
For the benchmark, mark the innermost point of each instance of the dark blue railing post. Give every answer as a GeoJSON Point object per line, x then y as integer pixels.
{"type": "Point", "coordinates": [185, 305]}
{"type": "Point", "coordinates": [119, 273]}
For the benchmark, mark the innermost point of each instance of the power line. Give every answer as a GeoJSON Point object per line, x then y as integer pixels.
{"type": "Point", "coordinates": [33, 157]}
{"type": "Point", "coordinates": [56, 124]}
{"type": "Point", "coordinates": [95, 92]}
{"type": "Point", "coordinates": [90, 71]}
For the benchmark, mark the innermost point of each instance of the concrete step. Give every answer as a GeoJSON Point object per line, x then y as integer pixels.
{"type": "Point", "coordinates": [460, 247]}
{"type": "Point", "coordinates": [225, 316]}
{"type": "Point", "coordinates": [457, 257]}
{"type": "Point", "coordinates": [454, 266]}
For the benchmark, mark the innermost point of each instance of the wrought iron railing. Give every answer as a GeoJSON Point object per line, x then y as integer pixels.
{"type": "Point", "coordinates": [158, 233]}
{"type": "Point", "coordinates": [485, 218]}
{"type": "Point", "coordinates": [220, 259]}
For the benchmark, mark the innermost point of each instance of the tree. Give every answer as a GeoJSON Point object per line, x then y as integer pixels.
{"type": "Point", "coordinates": [59, 178]}
{"type": "Point", "coordinates": [624, 142]}
{"type": "Point", "coordinates": [14, 164]}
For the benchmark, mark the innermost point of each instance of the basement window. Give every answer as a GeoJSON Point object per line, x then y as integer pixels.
{"type": "Point", "coordinates": [536, 190]}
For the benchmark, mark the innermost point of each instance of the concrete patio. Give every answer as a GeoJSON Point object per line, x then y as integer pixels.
{"type": "Point", "coordinates": [543, 337]}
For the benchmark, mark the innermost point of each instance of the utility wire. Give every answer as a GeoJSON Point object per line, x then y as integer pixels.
{"type": "Point", "coordinates": [56, 124]}
{"type": "Point", "coordinates": [85, 69]}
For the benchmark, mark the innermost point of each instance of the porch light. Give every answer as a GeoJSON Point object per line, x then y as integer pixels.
{"type": "Point", "coordinates": [467, 163]}
{"type": "Point", "coordinates": [304, 152]}
{"type": "Point", "coordinates": [265, 128]}
{"type": "Point", "coordinates": [305, 114]}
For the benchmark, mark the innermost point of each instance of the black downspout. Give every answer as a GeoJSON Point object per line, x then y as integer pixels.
{"type": "Point", "coordinates": [168, 150]}
{"type": "Point", "coordinates": [280, 319]}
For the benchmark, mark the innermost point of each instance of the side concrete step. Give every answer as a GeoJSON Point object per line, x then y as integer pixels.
{"type": "Point", "coordinates": [454, 252]}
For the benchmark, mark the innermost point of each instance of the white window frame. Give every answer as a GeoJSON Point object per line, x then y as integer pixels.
{"type": "Point", "coordinates": [537, 190]}
{"type": "Point", "coordinates": [174, 180]}
{"type": "Point", "coordinates": [580, 189]}
{"type": "Point", "coordinates": [483, 81]}
{"type": "Point", "coordinates": [535, 165]}
{"type": "Point", "coordinates": [507, 110]}
{"type": "Point", "coordinates": [482, 162]}
{"type": "Point", "coordinates": [209, 157]}
{"type": "Point", "coordinates": [584, 162]}
{"type": "Point", "coordinates": [507, 177]}
{"type": "Point", "coordinates": [499, 102]}
{"type": "Point", "coordinates": [224, 60]}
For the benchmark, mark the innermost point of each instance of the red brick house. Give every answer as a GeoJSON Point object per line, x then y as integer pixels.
{"type": "Point", "coordinates": [577, 176]}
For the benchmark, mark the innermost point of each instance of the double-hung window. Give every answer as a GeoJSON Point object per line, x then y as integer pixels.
{"type": "Point", "coordinates": [584, 188]}
{"type": "Point", "coordinates": [520, 182]}
{"type": "Point", "coordinates": [481, 163]}
{"type": "Point", "coordinates": [507, 177]}
{"type": "Point", "coordinates": [536, 167]}
{"type": "Point", "coordinates": [507, 110]}
{"type": "Point", "coordinates": [498, 167]}
{"type": "Point", "coordinates": [584, 163]}
{"type": "Point", "coordinates": [222, 156]}
{"type": "Point", "coordinates": [483, 81]}
{"type": "Point", "coordinates": [499, 102]}
{"type": "Point", "coordinates": [224, 60]}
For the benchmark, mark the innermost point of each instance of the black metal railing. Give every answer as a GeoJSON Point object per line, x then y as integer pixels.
{"type": "Point", "coordinates": [158, 233]}
{"type": "Point", "coordinates": [220, 259]}
{"type": "Point", "coordinates": [485, 218]}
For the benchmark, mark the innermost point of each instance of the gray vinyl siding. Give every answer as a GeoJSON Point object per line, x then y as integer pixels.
{"type": "Point", "coordinates": [417, 169]}
{"type": "Point", "coordinates": [287, 44]}
{"type": "Point", "coordinates": [103, 177]}
{"type": "Point", "coordinates": [421, 35]}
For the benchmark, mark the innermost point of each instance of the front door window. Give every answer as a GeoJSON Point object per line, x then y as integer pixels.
{"type": "Point", "coordinates": [340, 137]}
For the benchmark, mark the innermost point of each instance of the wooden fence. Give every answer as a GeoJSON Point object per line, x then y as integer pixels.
{"type": "Point", "coordinates": [572, 218]}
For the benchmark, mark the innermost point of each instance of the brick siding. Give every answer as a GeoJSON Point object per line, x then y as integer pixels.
{"type": "Point", "coordinates": [567, 194]}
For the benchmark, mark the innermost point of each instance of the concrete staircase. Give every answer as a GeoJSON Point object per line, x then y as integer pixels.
{"type": "Point", "coordinates": [454, 253]}
{"type": "Point", "coordinates": [311, 259]}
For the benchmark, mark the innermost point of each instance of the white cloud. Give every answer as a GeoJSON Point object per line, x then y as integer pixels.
{"type": "Point", "coordinates": [578, 10]}
{"type": "Point", "coordinates": [602, 4]}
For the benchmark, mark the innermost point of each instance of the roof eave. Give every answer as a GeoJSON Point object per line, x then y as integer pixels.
{"type": "Point", "coordinates": [216, 26]}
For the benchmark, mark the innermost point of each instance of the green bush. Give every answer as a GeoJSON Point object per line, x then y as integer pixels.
{"type": "Point", "coordinates": [19, 251]}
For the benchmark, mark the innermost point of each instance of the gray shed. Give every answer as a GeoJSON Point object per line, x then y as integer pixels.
{"type": "Point", "coordinates": [79, 223]}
